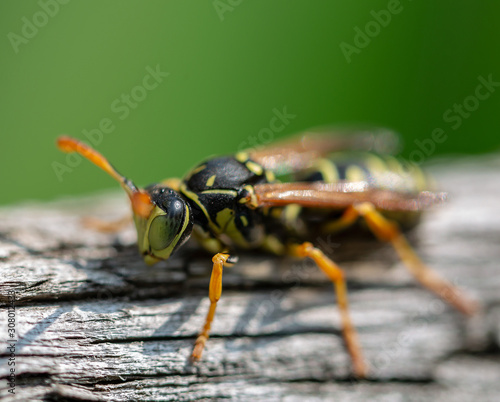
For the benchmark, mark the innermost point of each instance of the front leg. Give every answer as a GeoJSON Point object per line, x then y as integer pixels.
{"type": "Point", "coordinates": [215, 289]}
{"type": "Point", "coordinates": [105, 226]}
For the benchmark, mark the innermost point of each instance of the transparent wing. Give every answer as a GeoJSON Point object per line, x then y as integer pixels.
{"type": "Point", "coordinates": [297, 153]}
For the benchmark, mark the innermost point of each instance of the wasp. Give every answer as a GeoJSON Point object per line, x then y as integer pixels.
{"type": "Point", "coordinates": [328, 183]}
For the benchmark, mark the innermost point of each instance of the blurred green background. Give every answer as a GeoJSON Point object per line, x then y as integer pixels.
{"type": "Point", "coordinates": [231, 63]}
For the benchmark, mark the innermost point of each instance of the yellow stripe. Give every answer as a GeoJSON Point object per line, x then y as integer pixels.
{"type": "Point", "coordinates": [211, 180]}
{"type": "Point", "coordinates": [270, 176]}
{"type": "Point", "coordinates": [328, 169]}
{"type": "Point", "coordinates": [375, 165]}
{"type": "Point", "coordinates": [292, 212]}
{"type": "Point", "coordinates": [355, 173]}
{"type": "Point", "coordinates": [254, 168]}
{"type": "Point", "coordinates": [220, 191]}
{"type": "Point", "coordinates": [194, 171]}
{"type": "Point", "coordinates": [274, 245]}
{"type": "Point", "coordinates": [194, 197]}
{"type": "Point", "coordinates": [420, 180]}
{"type": "Point", "coordinates": [173, 183]}
{"type": "Point", "coordinates": [241, 157]}
{"type": "Point", "coordinates": [198, 169]}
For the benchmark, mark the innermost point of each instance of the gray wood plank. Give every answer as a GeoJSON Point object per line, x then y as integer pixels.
{"type": "Point", "coordinates": [95, 323]}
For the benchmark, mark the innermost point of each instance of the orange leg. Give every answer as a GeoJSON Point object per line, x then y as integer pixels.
{"type": "Point", "coordinates": [106, 227]}
{"type": "Point", "coordinates": [214, 293]}
{"type": "Point", "coordinates": [388, 231]}
{"type": "Point", "coordinates": [348, 218]}
{"type": "Point", "coordinates": [336, 275]}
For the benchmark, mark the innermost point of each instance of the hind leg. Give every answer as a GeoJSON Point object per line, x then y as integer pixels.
{"type": "Point", "coordinates": [388, 231]}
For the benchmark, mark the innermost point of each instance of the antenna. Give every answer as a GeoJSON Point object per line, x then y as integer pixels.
{"type": "Point", "coordinates": [141, 201]}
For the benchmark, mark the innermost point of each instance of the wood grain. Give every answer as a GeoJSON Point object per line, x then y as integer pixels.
{"type": "Point", "coordinates": [95, 323]}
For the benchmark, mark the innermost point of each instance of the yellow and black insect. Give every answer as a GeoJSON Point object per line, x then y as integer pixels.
{"type": "Point", "coordinates": [235, 202]}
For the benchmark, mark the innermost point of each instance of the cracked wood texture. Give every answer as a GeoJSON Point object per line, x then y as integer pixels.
{"type": "Point", "coordinates": [95, 323]}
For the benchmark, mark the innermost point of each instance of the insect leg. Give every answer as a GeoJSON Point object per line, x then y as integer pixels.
{"type": "Point", "coordinates": [105, 226]}
{"type": "Point", "coordinates": [335, 274]}
{"type": "Point", "coordinates": [349, 217]}
{"type": "Point", "coordinates": [220, 260]}
{"type": "Point", "coordinates": [388, 231]}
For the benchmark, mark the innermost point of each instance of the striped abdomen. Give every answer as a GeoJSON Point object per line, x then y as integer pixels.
{"type": "Point", "coordinates": [378, 171]}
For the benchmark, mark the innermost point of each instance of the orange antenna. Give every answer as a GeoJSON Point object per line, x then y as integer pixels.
{"type": "Point", "coordinates": [141, 201]}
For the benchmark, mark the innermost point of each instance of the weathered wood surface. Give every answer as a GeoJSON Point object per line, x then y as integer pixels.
{"type": "Point", "coordinates": [96, 324]}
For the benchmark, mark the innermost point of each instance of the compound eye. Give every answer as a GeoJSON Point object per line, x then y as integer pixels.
{"type": "Point", "coordinates": [164, 228]}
